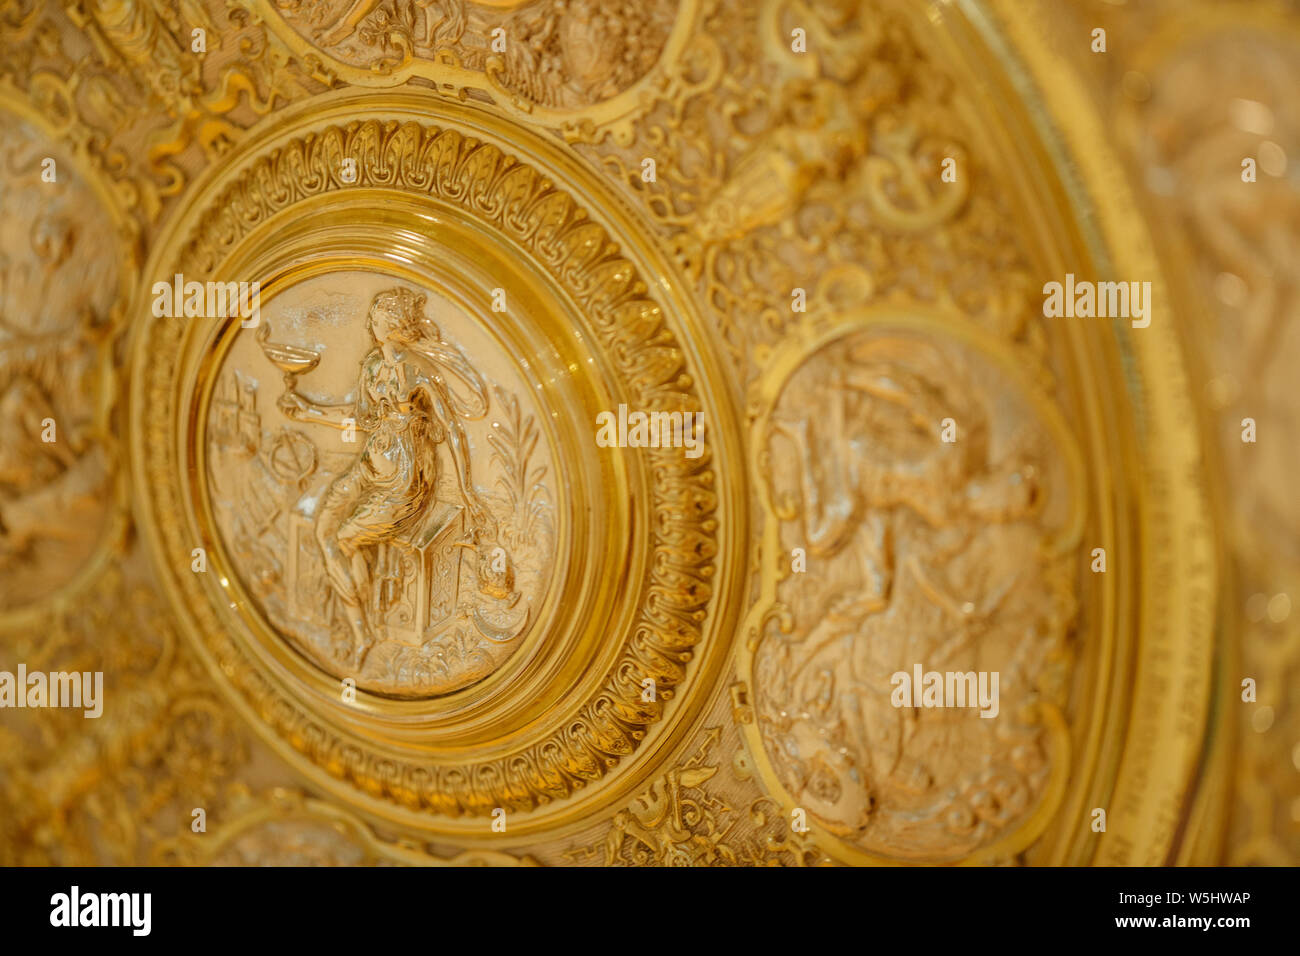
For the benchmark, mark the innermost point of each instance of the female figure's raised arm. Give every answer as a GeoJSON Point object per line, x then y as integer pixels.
{"type": "Point", "coordinates": [359, 414]}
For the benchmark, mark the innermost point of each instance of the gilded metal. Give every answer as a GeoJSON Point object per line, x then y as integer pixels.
{"type": "Point", "coordinates": [365, 588]}
{"type": "Point", "coordinates": [584, 337]}
{"type": "Point", "coordinates": [428, 566]}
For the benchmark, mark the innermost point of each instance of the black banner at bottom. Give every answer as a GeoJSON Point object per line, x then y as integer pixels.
{"type": "Point", "coordinates": [346, 905]}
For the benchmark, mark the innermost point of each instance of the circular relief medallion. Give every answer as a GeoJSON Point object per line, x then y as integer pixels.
{"type": "Point", "coordinates": [376, 492]}
{"type": "Point", "coordinates": [61, 293]}
{"type": "Point", "coordinates": [913, 660]}
{"type": "Point", "coordinates": [569, 64]}
{"type": "Point", "coordinates": [377, 478]}
{"type": "Point", "coordinates": [559, 53]}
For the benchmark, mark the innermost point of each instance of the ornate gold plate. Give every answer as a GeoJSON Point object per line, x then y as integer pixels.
{"type": "Point", "coordinates": [368, 580]}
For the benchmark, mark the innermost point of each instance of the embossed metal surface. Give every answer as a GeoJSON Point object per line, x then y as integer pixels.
{"type": "Point", "coordinates": [366, 588]}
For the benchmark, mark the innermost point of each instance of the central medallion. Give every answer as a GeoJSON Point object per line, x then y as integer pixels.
{"type": "Point", "coordinates": [423, 578]}
{"type": "Point", "coordinates": [377, 475]}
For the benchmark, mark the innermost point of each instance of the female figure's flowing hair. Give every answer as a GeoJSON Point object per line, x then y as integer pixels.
{"type": "Point", "coordinates": [455, 391]}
